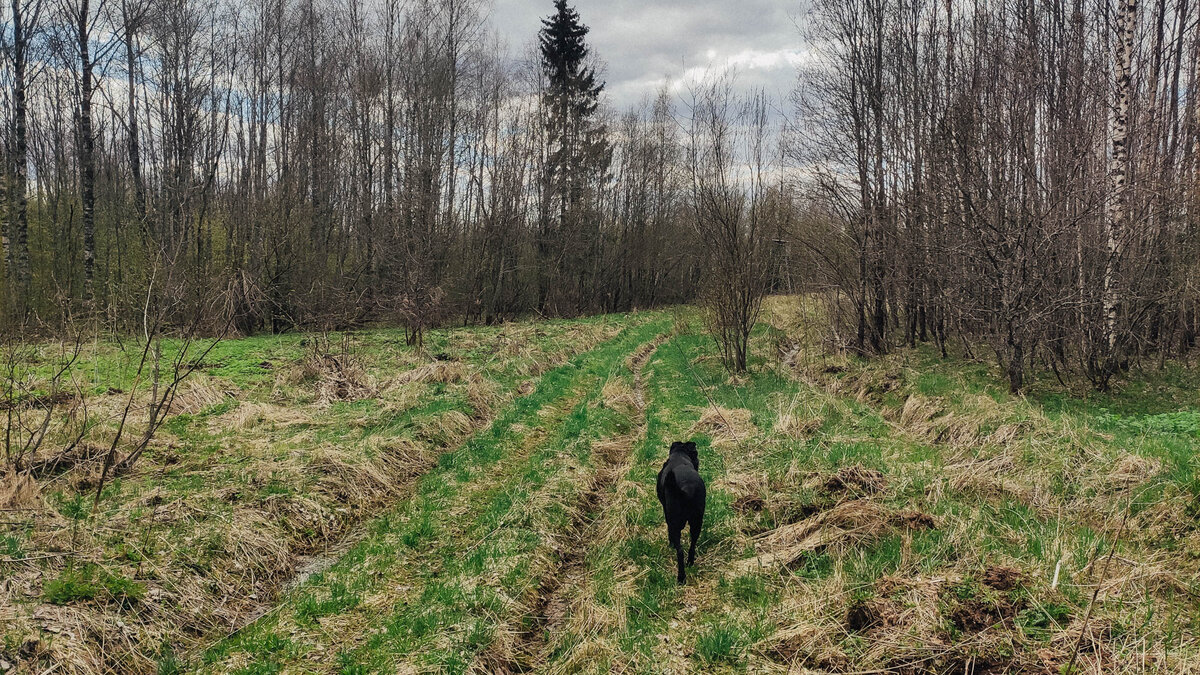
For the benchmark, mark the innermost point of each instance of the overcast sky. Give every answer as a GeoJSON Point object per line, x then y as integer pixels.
{"type": "Point", "coordinates": [646, 43]}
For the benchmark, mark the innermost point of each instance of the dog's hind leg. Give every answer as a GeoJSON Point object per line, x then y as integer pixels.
{"type": "Point", "coordinates": [674, 533]}
{"type": "Point", "coordinates": [695, 523]}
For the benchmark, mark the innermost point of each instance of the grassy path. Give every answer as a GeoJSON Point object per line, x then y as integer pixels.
{"type": "Point", "coordinates": [863, 516]}
{"type": "Point", "coordinates": [865, 520]}
{"type": "Point", "coordinates": [282, 447]}
{"type": "Point", "coordinates": [561, 598]}
{"type": "Point", "coordinates": [447, 578]}
{"type": "Point", "coordinates": [621, 614]}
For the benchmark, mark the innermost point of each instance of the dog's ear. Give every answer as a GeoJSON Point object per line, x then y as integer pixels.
{"type": "Point", "coordinates": [690, 449]}
{"type": "Point", "coordinates": [675, 447]}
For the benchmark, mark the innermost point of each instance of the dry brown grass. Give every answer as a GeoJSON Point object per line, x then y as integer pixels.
{"type": "Point", "coordinates": [260, 415]}
{"type": "Point", "coordinates": [483, 394]}
{"type": "Point", "coordinates": [261, 540]}
{"type": "Point", "coordinates": [445, 372]}
{"type": "Point", "coordinates": [977, 420]}
{"type": "Point", "coordinates": [197, 393]}
{"type": "Point", "coordinates": [849, 523]}
{"type": "Point", "coordinates": [1128, 471]}
{"type": "Point", "coordinates": [19, 491]}
{"type": "Point", "coordinates": [798, 417]}
{"type": "Point", "coordinates": [726, 426]}
{"type": "Point", "coordinates": [447, 428]}
{"type": "Point", "coordinates": [997, 477]}
{"type": "Point", "coordinates": [618, 395]}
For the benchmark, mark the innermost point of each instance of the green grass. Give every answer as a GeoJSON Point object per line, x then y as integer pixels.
{"type": "Point", "coordinates": [256, 468]}
{"type": "Point", "coordinates": [89, 582]}
{"type": "Point", "coordinates": [979, 540]}
{"type": "Point", "coordinates": [465, 541]}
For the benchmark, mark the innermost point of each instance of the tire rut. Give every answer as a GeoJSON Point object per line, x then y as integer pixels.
{"type": "Point", "coordinates": [309, 561]}
{"type": "Point", "coordinates": [551, 607]}
{"type": "Point", "coordinates": [313, 561]}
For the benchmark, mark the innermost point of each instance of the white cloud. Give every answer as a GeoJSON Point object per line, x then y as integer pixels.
{"type": "Point", "coordinates": [650, 43]}
{"type": "Point", "coordinates": [771, 70]}
{"type": "Point", "coordinates": [764, 60]}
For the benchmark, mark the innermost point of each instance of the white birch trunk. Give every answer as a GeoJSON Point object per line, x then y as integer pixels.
{"type": "Point", "coordinates": [1118, 167]}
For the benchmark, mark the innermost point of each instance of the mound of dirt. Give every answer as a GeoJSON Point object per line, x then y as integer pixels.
{"type": "Point", "coordinates": [40, 402]}
{"type": "Point", "coordinates": [972, 613]}
{"type": "Point", "coordinates": [339, 378]}
{"type": "Point", "coordinates": [914, 520]}
{"type": "Point", "coordinates": [863, 615]}
{"type": "Point", "coordinates": [749, 503]}
{"type": "Point", "coordinates": [975, 615]}
{"type": "Point", "coordinates": [808, 647]}
{"type": "Point", "coordinates": [19, 491]}
{"type": "Point", "coordinates": [1002, 578]}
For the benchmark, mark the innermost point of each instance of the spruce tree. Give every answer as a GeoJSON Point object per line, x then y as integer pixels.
{"type": "Point", "coordinates": [572, 93]}
{"type": "Point", "coordinates": [578, 153]}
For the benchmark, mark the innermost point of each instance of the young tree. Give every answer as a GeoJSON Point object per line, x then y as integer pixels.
{"type": "Point", "coordinates": [732, 211]}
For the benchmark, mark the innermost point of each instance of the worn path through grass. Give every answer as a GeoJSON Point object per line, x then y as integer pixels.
{"type": "Point", "coordinates": [281, 446]}
{"type": "Point", "coordinates": [558, 602]}
{"type": "Point", "coordinates": [903, 514]}
{"type": "Point", "coordinates": [448, 579]}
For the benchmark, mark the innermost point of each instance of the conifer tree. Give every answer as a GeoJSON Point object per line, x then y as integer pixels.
{"type": "Point", "coordinates": [578, 153]}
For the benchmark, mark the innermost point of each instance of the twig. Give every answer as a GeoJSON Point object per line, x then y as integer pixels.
{"type": "Point", "coordinates": [1070, 669]}
{"type": "Point", "coordinates": [33, 557]}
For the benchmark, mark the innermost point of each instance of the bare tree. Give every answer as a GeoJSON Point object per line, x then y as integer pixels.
{"type": "Point", "coordinates": [82, 17]}
{"type": "Point", "coordinates": [979, 171]}
{"type": "Point", "coordinates": [1116, 198]}
{"type": "Point", "coordinates": [728, 161]}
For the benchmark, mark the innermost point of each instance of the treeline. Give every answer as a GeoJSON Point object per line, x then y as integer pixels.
{"type": "Point", "coordinates": [310, 163]}
{"type": "Point", "coordinates": [1020, 174]}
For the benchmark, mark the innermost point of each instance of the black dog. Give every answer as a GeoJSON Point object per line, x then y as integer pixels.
{"type": "Point", "coordinates": [681, 491]}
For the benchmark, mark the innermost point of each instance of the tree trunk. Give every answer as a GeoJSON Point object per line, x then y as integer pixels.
{"type": "Point", "coordinates": [19, 202]}
{"type": "Point", "coordinates": [87, 166]}
{"type": "Point", "coordinates": [1118, 172]}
